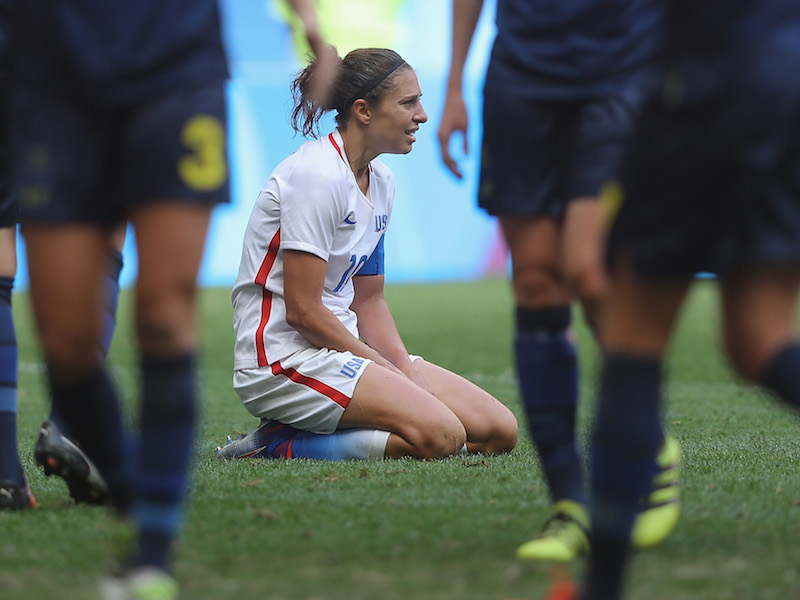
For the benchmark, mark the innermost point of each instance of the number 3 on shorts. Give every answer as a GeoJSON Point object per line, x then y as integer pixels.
{"type": "Point", "coordinates": [206, 168]}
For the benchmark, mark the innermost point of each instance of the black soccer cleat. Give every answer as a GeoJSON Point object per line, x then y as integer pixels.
{"type": "Point", "coordinates": [59, 456]}
{"type": "Point", "coordinates": [14, 497]}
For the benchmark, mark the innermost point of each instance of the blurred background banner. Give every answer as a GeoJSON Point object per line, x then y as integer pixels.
{"type": "Point", "coordinates": [437, 233]}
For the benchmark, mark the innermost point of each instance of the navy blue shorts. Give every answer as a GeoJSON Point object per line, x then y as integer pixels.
{"type": "Point", "coordinates": [76, 162]}
{"type": "Point", "coordinates": [9, 211]}
{"type": "Point", "coordinates": [712, 187]}
{"type": "Point", "coordinates": [538, 155]}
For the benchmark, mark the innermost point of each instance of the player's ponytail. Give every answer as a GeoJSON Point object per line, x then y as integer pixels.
{"type": "Point", "coordinates": [364, 73]}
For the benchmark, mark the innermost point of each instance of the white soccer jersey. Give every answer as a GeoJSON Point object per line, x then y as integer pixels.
{"type": "Point", "coordinates": [311, 203]}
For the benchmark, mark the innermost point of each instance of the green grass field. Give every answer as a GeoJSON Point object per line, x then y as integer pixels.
{"type": "Point", "coordinates": [448, 530]}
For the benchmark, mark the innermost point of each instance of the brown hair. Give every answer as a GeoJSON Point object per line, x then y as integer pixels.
{"type": "Point", "coordinates": [364, 73]}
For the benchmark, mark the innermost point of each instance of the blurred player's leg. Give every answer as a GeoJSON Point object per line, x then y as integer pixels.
{"type": "Point", "coordinates": [582, 256]}
{"type": "Point", "coordinates": [14, 491]}
{"type": "Point", "coordinates": [584, 234]}
{"type": "Point", "coordinates": [759, 309]}
{"type": "Point", "coordinates": [627, 435]}
{"type": "Point", "coordinates": [165, 322]}
{"type": "Point", "coordinates": [66, 266]}
{"type": "Point", "coordinates": [547, 370]}
{"type": "Point", "coordinates": [54, 450]}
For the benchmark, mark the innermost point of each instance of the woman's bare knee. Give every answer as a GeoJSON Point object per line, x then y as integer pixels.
{"type": "Point", "coordinates": [165, 323]}
{"type": "Point", "coordinates": [499, 436]}
{"type": "Point", "coordinates": [430, 442]}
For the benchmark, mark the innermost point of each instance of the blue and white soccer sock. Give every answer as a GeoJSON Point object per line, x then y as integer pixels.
{"type": "Point", "coordinates": [781, 374]}
{"type": "Point", "coordinates": [169, 415]}
{"type": "Point", "coordinates": [344, 444]}
{"type": "Point", "coordinates": [625, 442]}
{"type": "Point", "coordinates": [273, 439]}
{"type": "Point", "coordinates": [10, 465]}
{"type": "Point", "coordinates": [547, 368]}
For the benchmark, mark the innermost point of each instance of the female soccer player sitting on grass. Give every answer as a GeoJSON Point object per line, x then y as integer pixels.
{"type": "Point", "coordinates": [318, 357]}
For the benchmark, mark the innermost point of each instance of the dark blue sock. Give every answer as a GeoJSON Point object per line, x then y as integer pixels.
{"type": "Point", "coordinates": [111, 283]}
{"type": "Point", "coordinates": [168, 420]}
{"type": "Point", "coordinates": [782, 375]}
{"type": "Point", "coordinates": [89, 409]}
{"type": "Point", "coordinates": [625, 442]}
{"type": "Point", "coordinates": [547, 368]}
{"type": "Point", "coordinates": [10, 465]}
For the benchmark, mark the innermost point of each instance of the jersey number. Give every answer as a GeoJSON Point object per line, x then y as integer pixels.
{"type": "Point", "coordinates": [355, 265]}
{"type": "Point", "coordinates": [206, 168]}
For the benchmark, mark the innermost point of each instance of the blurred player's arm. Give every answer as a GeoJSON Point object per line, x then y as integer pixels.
{"type": "Point", "coordinates": [377, 327]}
{"type": "Point", "coordinates": [454, 116]}
{"type": "Point", "coordinates": [327, 61]}
{"type": "Point", "coordinates": [305, 11]}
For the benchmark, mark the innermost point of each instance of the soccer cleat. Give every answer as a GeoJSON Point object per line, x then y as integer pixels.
{"type": "Point", "coordinates": [659, 517]}
{"type": "Point", "coordinates": [14, 497]}
{"type": "Point", "coordinates": [565, 535]}
{"type": "Point", "coordinates": [152, 584]}
{"type": "Point", "coordinates": [59, 456]}
{"type": "Point", "coordinates": [146, 583]}
{"type": "Point", "coordinates": [271, 439]}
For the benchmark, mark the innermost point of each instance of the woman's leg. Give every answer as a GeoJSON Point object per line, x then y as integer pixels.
{"type": "Point", "coordinates": [66, 265]}
{"type": "Point", "coordinates": [546, 361]}
{"type": "Point", "coordinates": [637, 324]}
{"type": "Point", "coordinates": [170, 240]}
{"type": "Point", "coordinates": [421, 425]}
{"type": "Point", "coordinates": [759, 306]}
{"type": "Point", "coordinates": [12, 477]}
{"type": "Point", "coordinates": [491, 427]}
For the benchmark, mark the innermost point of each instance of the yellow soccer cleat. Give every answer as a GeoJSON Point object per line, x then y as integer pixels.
{"type": "Point", "coordinates": [660, 515]}
{"type": "Point", "coordinates": [564, 537]}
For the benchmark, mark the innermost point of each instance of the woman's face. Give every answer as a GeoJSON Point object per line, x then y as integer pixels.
{"type": "Point", "coordinates": [396, 119]}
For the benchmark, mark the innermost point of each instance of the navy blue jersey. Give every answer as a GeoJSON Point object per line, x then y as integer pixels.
{"type": "Point", "coordinates": [713, 47]}
{"type": "Point", "coordinates": [116, 51]}
{"type": "Point", "coordinates": [712, 181]}
{"type": "Point", "coordinates": [577, 48]}
{"type": "Point", "coordinates": [4, 18]}
{"type": "Point", "coordinates": [703, 26]}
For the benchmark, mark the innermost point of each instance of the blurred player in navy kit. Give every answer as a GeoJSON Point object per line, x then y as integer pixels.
{"type": "Point", "coordinates": [118, 113]}
{"type": "Point", "coordinates": [53, 449]}
{"type": "Point", "coordinates": [712, 184]}
{"type": "Point", "coordinates": [561, 94]}
{"type": "Point", "coordinates": [14, 491]}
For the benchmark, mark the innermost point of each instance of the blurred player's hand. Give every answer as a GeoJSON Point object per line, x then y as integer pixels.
{"type": "Point", "coordinates": [454, 118]}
